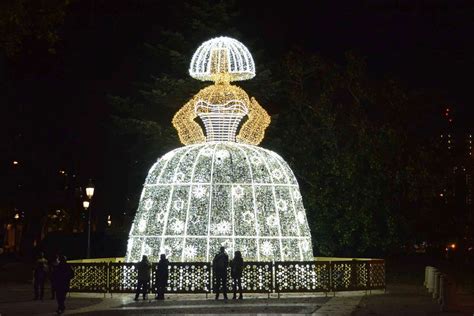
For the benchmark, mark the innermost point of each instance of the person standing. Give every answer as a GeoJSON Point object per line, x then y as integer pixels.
{"type": "Point", "coordinates": [162, 274]}
{"type": "Point", "coordinates": [144, 269]}
{"type": "Point", "coordinates": [220, 264]}
{"type": "Point", "coordinates": [236, 269]}
{"type": "Point", "coordinates": [39, 276]}
{"type": "Point", "coordinates": [52, 266]}
{"type": "Point", "coordinates": [62, 276]}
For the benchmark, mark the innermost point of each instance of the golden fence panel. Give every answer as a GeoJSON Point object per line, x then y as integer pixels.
{"type": "Point", "coordinates": [89, 277]}
{"type": "Point", "coordinates": [349, 275]}
{"type": "Point", "coordinates": [377, 274]}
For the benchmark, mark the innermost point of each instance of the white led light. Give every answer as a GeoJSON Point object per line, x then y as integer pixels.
{"type": "Point", "coordinates": [273, 221]}
{"type": "Point", "coordinates": [234, 202]}
{"type": "Point", "coordinates": [267, 248]}
{"type": "Point", "coordinates": [222, 55]}
{"type": "Point", "coordinates": [221, 121]}
{"type": "Point", "coordinates": [148, 204]}
{"type": "Point", "coordinates": [221, 189]}
{"type": "Point", "coordinates": [142, 225]}
{"type": "Point", "coordinates": [247, 217]}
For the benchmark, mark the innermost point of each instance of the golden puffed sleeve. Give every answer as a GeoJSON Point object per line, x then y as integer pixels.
{"type": "Point", "coordinates": [253, 130]}
{"type": "Point", "coordinates": [189, 131]}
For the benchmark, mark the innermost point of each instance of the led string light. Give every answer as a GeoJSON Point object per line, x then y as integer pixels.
{"type": "Point", "coordinates": [221, 121]}
{"type": "Point", "coordinates": [206, 212]}
{"type": "Point", "coordinates": [220, 189]}
{"type": "Point", "coordinates": [216, 102]}
{"type": "Point", "coordinates": [253, 131]}
{"type": "Point", "coordinates": [222, 55]}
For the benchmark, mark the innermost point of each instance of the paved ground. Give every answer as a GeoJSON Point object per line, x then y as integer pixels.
{"type": "Point", "coordinates": [15, 299]}
{"type": "Point", "coordinates": [403, 299]}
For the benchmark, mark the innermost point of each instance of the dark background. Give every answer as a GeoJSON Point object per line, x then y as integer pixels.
{"type": "Point", "coordinates": [54, 103]}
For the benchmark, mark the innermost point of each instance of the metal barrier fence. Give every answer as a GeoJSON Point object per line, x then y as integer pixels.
{"type": "Point", "coordinates": [258, 277]}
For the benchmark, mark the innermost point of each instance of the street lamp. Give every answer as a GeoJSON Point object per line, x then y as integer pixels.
{"type": "Point", "coordinates": [85, 204]}
{"type": "Point", "coordinates": [90, 189]}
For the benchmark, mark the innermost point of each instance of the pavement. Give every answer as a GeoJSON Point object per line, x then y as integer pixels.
{"type": "Point", "coordinates": [399, 299]}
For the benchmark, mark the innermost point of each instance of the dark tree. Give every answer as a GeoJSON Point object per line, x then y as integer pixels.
{"type": "Point", "coordinates": [366, 179]}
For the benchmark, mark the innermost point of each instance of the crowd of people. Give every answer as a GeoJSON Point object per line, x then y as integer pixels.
{"type": "Point", "coordinates": [60, 273]}
{"type": "Point", "coordinates": [219, 264]}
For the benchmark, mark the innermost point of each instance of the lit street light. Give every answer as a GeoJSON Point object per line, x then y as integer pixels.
{"type": "Point", "coordinates": [90, 189]}
{"type": "Point", "coordinates": [85, 204]}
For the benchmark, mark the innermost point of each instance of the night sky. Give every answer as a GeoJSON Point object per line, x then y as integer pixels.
{"type": "Point", "coordinates": [57, 103]}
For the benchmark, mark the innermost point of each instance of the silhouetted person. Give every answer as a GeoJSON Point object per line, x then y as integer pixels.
{"type": "Point", "coordinates": [39, 275]}
{"type": "Point", "coordinates": [53, 264]}
{"type": "Point", "coordinates": [236, 269]}
{"type": "Point", "coordinates": [62, 276]}
{"type": "Point", "coordinates": [143, 280]}
{"type": "Point", "coordinates": [161, 277]}
{"type": "Point", "coordinates": [220, 263]}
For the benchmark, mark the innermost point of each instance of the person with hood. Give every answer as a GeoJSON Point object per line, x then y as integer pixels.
{"type": "Point", "coordinates": [143, 280]}
{"type": "Point", "coordinates": [39, 276]}
{"type": "Point", "coordinates": [62, 276]}
{"type": "Point", "coordinates": [161, 277]}
{"type": "Point", "coordinates": [236, 269]}
{"type": "Point", "coordinates": [220, 264]}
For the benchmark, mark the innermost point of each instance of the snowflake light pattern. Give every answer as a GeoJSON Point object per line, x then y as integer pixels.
{"type": "Point", "coordinates": [177, 227]}
{"type": "Point", "coordinates": [199, 191]}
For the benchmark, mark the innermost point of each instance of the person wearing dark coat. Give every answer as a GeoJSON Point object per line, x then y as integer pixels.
{"type": "Point", "coordinates": [220, 264]}
{"type": "Point", "coordinates": [143, 280]}
{"type": "Point", "coordinates": [62, 276]}
{"type": "Point", "coordinates": [52, 266]}
{"type": "Point", "coordinates": [161, 277]}
{"type": "Point", "coordinates": [39, 276]}
{"type": "Point", "coordinates": [236, 269]}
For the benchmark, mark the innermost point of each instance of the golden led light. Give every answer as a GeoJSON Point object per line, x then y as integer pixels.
{"type": "Point", "coordinates": [221, 106]}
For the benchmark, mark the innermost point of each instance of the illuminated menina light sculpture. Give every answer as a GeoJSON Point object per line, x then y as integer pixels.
{"type": "Point", "coordinates": [221, 189]}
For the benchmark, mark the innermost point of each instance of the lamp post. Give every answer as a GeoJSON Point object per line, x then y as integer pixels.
{"type": "Point", "coordinates": [85, 204]}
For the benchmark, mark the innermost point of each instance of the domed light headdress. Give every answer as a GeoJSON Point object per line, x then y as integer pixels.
{"type": "Point", "coordinates": [222, 55]}
{"type": "Point", "coordinates": [222, 106]}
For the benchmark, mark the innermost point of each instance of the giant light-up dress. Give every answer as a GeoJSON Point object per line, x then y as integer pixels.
{"type": "Point", "coordinates": [220, 189]}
